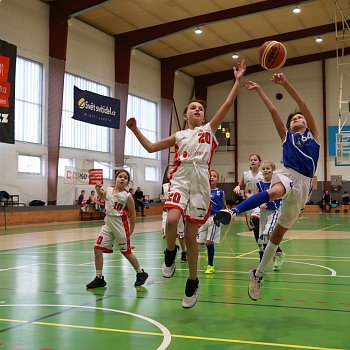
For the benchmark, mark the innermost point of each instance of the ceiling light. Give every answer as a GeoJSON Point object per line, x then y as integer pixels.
{"type": "Point", "coordinates": [235, 56]}
{"type": "Point", "coordinates": [198, 30]}
{"type": "Point", "coordinates": [296, 9]}
{"type": "Point", "coordinates": [319, 40]}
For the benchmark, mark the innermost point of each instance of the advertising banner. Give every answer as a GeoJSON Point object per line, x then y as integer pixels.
{"type": "Point", "coordinates": [96, 109]}
{"type": "Point", "coordinates": [8, 54]}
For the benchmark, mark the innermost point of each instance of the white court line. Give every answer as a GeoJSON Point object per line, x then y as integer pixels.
{"type": "Point", "coordinates": [19, 267]}
{"type": "Point", "coordinates": [333, 272]}
{"type": "Point", "coordinates": [166, 333]}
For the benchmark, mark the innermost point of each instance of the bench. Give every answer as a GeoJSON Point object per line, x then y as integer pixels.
{"type": "Point", "coordinates": [92, 215]}
{"type": "Point", "coordinates": [152, 209]}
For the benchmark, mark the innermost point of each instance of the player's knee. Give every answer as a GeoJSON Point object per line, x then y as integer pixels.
{"type": "Point", "coordinates": [98, 252]}
{"type": "Point", "coordinates": [276, 191]}
{"type": "Point", "coordinates": [172, 222]}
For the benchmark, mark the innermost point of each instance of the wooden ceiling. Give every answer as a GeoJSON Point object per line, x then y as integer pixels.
{"type": "Point", "coordinates": [164, 29]}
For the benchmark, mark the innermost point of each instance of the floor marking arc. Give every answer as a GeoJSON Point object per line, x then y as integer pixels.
{"type": "Point", "coordinates": [165, 332]}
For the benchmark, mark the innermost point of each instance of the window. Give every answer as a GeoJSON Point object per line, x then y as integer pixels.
{"type": "Point", "coordinates": [145, 113]}
{"type": "Point", "coordinates": [29, 164]}
{"type": "Point", "coordinates": [106, 167]}
{"type": "Point", "coordinates": [151, 173]}
{"type": "Point", "coordinates": [28, 101]}
{"type": "Point", "coordinates": [62, 163]}
{"type": "Point", "coordinates": [77, 134]}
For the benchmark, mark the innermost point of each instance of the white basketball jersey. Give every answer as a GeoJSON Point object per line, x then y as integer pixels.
{"type": "Point", "coordinates": [197, 145]}
{"type": "Point", "coordinates": [116, 204]}
{"type": "Point", "coordinates": [250, 182]}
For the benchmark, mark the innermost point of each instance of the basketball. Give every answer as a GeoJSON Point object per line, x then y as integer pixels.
{"type": "Point", "coordinates": [272, 55]}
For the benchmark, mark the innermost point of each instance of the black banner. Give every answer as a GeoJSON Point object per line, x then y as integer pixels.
{"type": "Point", "coordinates": [8, 54]}
{"type": "Point", "coordinates": [96, 109]}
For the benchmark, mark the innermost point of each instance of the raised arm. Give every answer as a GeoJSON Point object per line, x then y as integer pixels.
{"type": "Point", "coordinates": [279, 78]}
{"type": "Point", "coordinates": [146, 143]}
{"type": "Point", "coordinates": [221, 113]}
{"type": "Point", "coordinates": [281, 129]}
{"type": "Point", "coordinates": [100, 192]}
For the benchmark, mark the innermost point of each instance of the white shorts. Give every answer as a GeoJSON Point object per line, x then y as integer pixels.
{"type": "Point", "coordinates": [298, 190]}
{"type": "Point", "coordinates": [189, 191]}
{"type": "Point", "coordinates": [180, 226]}
{"type": "Point", "coordinates": [267, 222]}
{"type": "Point", "coordinates": [208, 232]}
{"type": "Point", "coordinates": [114, 229]}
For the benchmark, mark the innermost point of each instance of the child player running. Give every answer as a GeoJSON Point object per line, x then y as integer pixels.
{"type": "Point", "coordinates": [209, 233]}
{"type": "Point", "coordinates": [117, 226]}
{"type": "Point", "coordinates": [180, 234]}
{"type": "Point", "coordinates": [248, 185]}
{"type": "Point", "coordinates": [300, 146]}
{"type": "Point", "coordinates": [189, 189]}
{"type": "Point", "coordinates": [269, 213]}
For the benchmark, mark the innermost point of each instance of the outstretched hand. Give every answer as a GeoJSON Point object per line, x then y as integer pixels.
{"type": "Point", "coordinates": [131, 123]}
{"type": "Point", "coordinates": [250, 85]}
{"type": "Point", "coordinates": [278, 78]}
{"type": "Point", "coordinates": [240, 69]}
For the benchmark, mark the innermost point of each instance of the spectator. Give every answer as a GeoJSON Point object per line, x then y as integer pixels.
{"type": "Point", "coordinates": [346, 198]}
{"type": "Point", "coordinates": [140, 201]}
{"type": "Point", "coordinates": [326, 201]}
{"type": "Point", "coordinates": [92, 201]}
{"type": "Point", "coordinates": [81, 199]}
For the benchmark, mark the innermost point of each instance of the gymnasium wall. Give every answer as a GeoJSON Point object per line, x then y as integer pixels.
{"type": "Point", "coordinates": [90, 53]}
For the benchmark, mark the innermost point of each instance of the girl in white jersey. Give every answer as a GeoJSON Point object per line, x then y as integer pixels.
{"type": "Point", "coordinates": [118, 226]}
{"type": "Point", "coordinates": [189, 189]}
{"type": "Point", "coordinates": [300, 146]}
{"type": "Point", "coordinates": [248, 184]}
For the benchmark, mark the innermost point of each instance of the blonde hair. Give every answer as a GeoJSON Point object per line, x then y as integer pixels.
{"type": "Point", "coordinates": [273, 165]}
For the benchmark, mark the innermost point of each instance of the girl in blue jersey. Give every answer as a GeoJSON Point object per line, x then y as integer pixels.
{"type": "Point", "coordinates": [209, 233]}
{"type": "Point", "coordinates": [300, 145]}
{"type": "Point", "coordinates": [269, 213]}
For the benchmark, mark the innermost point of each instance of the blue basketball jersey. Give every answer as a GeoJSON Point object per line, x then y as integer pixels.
{"type": "Point", "coordinates": [301, 152]}
{"type": "Point", "coordinates": [263, 186]}
{"type": "Point", "coordinates": [217, 200]}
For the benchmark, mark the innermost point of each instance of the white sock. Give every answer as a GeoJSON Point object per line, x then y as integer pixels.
{"type": "Point", "coordinates": [139, 270]}
{"type": "Point", "coordinates": [268, 254]}
{"type": "Point", "coordinates": [99, 273]}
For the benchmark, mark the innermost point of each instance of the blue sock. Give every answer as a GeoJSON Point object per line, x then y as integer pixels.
{"type": "Point", "coordinates": [252, 202]}
{"type": "Point", "coordinates": [211, 251]}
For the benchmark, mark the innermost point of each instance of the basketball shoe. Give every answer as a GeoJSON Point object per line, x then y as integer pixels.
{"type": "Point", "coordinates": [141, 278]}
{"type": "Point", "coordinates": [169, 264]}
{"type": "Point", "coordinates": [254, 285]}
{"type": "Point", "coordinates": [224, 217]}
{"type": "Point", "coordinates": [97, 283]}
{"type": "Point", "coordinates": [191, 293]}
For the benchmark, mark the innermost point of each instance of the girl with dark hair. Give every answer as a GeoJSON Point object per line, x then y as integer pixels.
{"type": "Point", "coordinates": [118, 226]}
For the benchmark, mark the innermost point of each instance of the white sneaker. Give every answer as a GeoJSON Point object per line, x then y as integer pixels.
{"type": "Point", "coordinates": [254, 285]}
{"type": "Point", "coordinates": [191, 293]}
{"type": "Point", "coordinates": [223, 216]}
{"type": "Point", "coordinates": [169, 264]}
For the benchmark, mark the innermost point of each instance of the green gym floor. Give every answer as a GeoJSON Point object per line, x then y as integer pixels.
{"type": "Point", "coordinates": [44, 303]}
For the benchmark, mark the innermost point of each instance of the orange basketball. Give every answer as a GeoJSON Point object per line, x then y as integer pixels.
{"type": "Point", "coordinates": [272, 55]}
